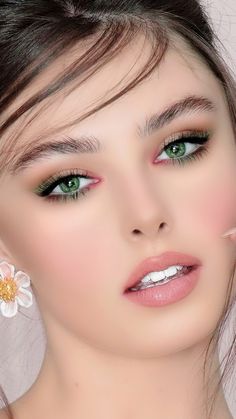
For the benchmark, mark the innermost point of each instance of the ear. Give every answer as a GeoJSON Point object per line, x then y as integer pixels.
{"type": "Point", "coordinates": [231, 234]}
{"type": "Point", "coordinates": [233, 237]}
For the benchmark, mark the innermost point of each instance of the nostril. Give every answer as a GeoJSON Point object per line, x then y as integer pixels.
{"type": "Point", "coordinates": [136, 231]}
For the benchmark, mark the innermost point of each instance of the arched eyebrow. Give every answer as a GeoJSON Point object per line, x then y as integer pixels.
{"type": "Point", "coordinates": [91, 144]}
{"type": "Point", "coordinates": [183, 106]}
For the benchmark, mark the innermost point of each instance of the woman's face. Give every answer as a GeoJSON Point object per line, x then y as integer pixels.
{"type": "Point", "coordinates": [79, 253]}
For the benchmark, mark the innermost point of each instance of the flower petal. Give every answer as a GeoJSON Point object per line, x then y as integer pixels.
{"type": "Point", "coordinates": [7, 270]}
{"type": "Point", "coordinates": [22, 279]}
{"type": "Point", "coordinates": [9, 309]}
{"type": "Point", "coordinates": [24, 298]}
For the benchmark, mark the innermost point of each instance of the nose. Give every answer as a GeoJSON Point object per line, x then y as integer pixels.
{"type": "Point", "coordinates": [144, 208]}
{"type": "Point", "coordinates": [149, 231]}
{"type": "Point", "coordinates": [147, 222]}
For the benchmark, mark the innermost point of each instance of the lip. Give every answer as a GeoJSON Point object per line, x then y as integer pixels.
{"type": "Point", "coordinates": [159, 263]}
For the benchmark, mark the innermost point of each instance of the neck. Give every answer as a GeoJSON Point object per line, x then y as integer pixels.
{"type": "Point", "coordinates": [86, 382]}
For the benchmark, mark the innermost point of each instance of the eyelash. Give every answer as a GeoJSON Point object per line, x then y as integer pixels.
{"type": "Point", "coordinates": [193, 137]}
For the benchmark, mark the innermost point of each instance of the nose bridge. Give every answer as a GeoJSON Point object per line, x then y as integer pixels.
{"type": "Point", "coordinates": [140, 192]}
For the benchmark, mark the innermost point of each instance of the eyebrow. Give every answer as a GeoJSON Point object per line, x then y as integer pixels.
{"type": "Point", "coordinates": [91, 144]}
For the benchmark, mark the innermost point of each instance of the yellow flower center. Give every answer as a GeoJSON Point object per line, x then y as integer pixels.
{"type": "Point", "coordinates": [8, 289]}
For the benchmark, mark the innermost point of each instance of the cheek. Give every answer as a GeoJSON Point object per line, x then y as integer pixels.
{"type": "Point", "coordinates": [74, 253]}
{"type": "Point", "coordinates": [223, 215]}
{"type": "Point", "coordinates": [214, 205]}
{"type": "Point", "coordinates": [217, 208]}
{"type": "Point", "coordinates": [61, 251]}
{"type": "Point", "coordinates": [69, 253]}
{"type": "Point", "coordinates": [68, 261]}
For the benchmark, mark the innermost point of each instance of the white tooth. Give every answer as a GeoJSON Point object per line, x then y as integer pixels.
{"type": "Point", "coordinates": [146, 278]}
{"type": "Point", "coordinates": [171, 271]}
{"type": "Point", "coordinates": [157, 276]}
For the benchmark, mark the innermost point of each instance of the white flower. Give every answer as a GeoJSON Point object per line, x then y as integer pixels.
{"type": "Point", "coordinates": [12, 290]}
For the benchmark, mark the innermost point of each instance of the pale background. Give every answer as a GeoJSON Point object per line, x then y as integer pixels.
{"type": "Point", "coordinates": [22, 340]}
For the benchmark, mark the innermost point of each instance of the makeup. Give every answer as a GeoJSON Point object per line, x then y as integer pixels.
{"type": "Point", "coordinates": [163, 279]}
{"type": "Point", "coordinates": [169, 293]}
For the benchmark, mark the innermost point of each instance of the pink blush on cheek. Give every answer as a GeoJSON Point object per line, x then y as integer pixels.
{"type": "Point", "coordinates": [216, 208]}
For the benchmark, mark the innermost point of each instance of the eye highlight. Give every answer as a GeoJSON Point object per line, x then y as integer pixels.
{"type": "Point", "coordinates": [175, 147]}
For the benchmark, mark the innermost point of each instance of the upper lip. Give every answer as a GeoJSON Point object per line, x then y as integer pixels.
{"type": "Point", "coordinates": [159, 263]}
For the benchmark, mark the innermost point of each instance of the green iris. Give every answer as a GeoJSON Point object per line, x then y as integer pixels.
{"type": "Point", "coordinates": [70, 185]}
{"type": "Point", "coordinates": [178, 149]}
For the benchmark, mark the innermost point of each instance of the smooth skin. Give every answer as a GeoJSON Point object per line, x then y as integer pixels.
{"type": "Point", "coordinates": [106, 357]}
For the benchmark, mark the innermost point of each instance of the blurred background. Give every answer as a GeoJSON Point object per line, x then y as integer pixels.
{"type": "Point", "coordinates": [22, 340]}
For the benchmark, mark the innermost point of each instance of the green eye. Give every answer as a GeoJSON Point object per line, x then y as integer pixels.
{"type": "Point", "coordinates": [73, 184]}
{"type": "Point", "coordinates": [192, 143]}
{"type": "Point", "coordinates": [176, 150]}
{"type": "Point", "coordinates": [63, 188]}
{"type": "Point", "coordinates": [70, 185]}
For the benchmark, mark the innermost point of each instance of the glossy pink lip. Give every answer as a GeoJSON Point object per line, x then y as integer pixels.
{"type": "Point", "coordinates": [159, 263]}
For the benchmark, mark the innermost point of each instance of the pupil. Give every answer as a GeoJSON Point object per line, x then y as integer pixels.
{"type": "Point", "coordinates": [176, 150]}
{"type": "Point", "coordinates": [70, 184]}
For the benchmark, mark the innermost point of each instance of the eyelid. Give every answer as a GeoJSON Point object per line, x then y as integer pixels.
{"type": "Point", "coordinates": [186, 134]}
{"type": "Point", "coordinates": [83, 173]}
{"type": "Point", "coordinates": [199, 136]}
{"type": "Point", "coordinates": [57, 178]}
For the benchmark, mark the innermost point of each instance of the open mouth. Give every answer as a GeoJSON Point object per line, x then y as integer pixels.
{"type": "Point", "coordinates": [168, 290]}
{"type": "Point", "coordinates": [153, 283]}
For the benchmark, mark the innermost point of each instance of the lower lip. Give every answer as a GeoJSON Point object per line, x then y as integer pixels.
{"type": "Point", "coordinates": [162, 295]}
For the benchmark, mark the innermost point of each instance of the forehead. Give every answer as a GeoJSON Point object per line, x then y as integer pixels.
{"type": "Point", "coordinates": [180, 73]}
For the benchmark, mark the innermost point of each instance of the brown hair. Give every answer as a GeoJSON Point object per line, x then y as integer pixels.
{"type": "Point", "coordinates": [34, 33]}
